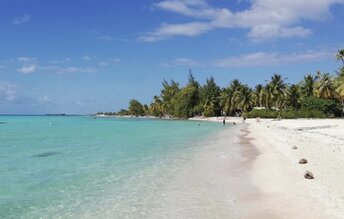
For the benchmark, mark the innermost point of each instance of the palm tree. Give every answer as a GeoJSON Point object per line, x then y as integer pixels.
{"type": "Point", "coordinates": [228, 100]}
{"type": "Point", "coordinates": [325, 87]}
{"type": "Point", "coordinates": [340, 55]}
{"type": "Point", "coordinates": [278, 90]}
{"type": "Point", "coordinates": [339, 84]}
{"type": "Point", "coordinates": [257, 93]}
{"type": "Point", "coordinates": [168, 93]}
{"type": "Point", "coordinates": [307, 85]}
{"type": "Point", "coordinates": [156, 107]}
{"type": "Point", "coordinates": [209, 106]}
{"type": "Point", "coordinates": [244, 98]}
{"type": "Point", "coordinates": [293, 96]}
{"type": "Point", "coordinates": [266, 96]}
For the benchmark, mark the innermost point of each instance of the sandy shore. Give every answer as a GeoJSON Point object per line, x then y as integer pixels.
{"type": "Point", "coordinates": [277, 171]}
{"type": "Point", "coordinates": [278, 188]}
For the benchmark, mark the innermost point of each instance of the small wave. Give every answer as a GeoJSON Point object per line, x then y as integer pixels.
{"type": "Point", "coordinates": [47, 154]}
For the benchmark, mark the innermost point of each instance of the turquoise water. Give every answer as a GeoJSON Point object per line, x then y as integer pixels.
{"type": "Point", "coordinates": [79, 167]}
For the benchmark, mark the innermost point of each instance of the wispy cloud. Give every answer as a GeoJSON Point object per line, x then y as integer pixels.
{"type": "Point", "coordinates": [86, 58]}
{"type": "Point", "coordinates": [263, 59]}
{"type": "Point", "coordinates": [103, 64]}
{"type": "Point", "coordinates": [71, 70]}
{"type": "Point", "coordinates": [25, 59]}
{"type": "Point", "coordinates": [182, 62]}
{"type": "Point", "coordinates": [27, 69]}
{"type": "Point", "coordinates": [7, 91]}
{"type": "Point", "coordinates": [264, 19]}
{"type": "Point", "coordinates": [115, 60]}
{"type": "Point", "coordinates": [110, 38]}
{"type": "Point", "coordinates": [256, 59]}
{"type": "Point", "coordinates": [21, 20]}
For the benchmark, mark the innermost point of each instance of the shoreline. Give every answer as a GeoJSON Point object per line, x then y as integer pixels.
{"type": "Point", "coordinates": [277, 187]}
{"type": "Point", "coordinates": [280, 177]}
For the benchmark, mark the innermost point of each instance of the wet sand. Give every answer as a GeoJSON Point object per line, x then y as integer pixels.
{"type": "Point", "coordinates": [258, 181]}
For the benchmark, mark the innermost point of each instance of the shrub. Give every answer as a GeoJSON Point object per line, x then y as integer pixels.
{"type": "Point", "coordinates": [262, 113]}
{"type": "Point", "coordinates": [287, 114]}
{"type": "Point", "coordinates": [294, 114]}
{"type": "Point", "coordinates": [329, 107]}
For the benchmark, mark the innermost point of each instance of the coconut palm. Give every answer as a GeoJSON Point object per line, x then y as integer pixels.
{"type": "Point", "coordinates": [257, 93]}
{"type": "Point", "coordinates": [266, 96]}
{"type": "Point", "coordinates": [339, 84]}
{"type": "Point", "coordinates": [168, 93]}
{"type": "Point", "coordinates": [340, 55]}
{"type": "Point", "coordinates": [307, 85]}
{"type": "Point", "coordinates": [244, 99]}
{"type": "Point", "coordinates": [156, 108]}
{"type": "Point", "coordinates": [228, 100]}
{"type": "Point", "coordinates": [325, 87]}
{"type": "Point", "coordinates": [293, 96]}
{"type": "Point", "coordinates": [278, 87]}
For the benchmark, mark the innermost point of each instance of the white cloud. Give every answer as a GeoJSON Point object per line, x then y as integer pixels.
{"type": "Point", "coordinates": [86, 58]}
{"type": "Point", "coordinates": [260, 59]}
{"type": "Point", "coordinates": [182, 62]}
{"type": "Point", "coordinates": [27, 69]}
{"type": "Point", "coordinates": [115, 60]}
{"type": "Point", "coordinates": [170, 30]}
{"type": "Point", "coordinates": [46, 99]}
{"type": "Point", "coordinates": [70, 70]}
{"type": "Point", "coordinates": [103, 64]}
{"type": "Point", "coordinates": [110, 38]}
{"type": "Point", "coordinates": [7, 91]}
{"type": "Point", "coordinates": [257, 59]}
{"type": "Point", "coordinates": [80, 103]}
{"type": "Point", "coordinates": [105, 38]}
{"type": "Point", "coordinates": [21, 20]}
{"type": "Point", "coordinates": [25, 59]}
{"type": "Point", "coordinates": [264, 19]}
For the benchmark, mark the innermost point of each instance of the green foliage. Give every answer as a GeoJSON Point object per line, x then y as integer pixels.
{"type": "Point", "coordinates": [184, 102]}
{"type": "Point", "coordinates": [262, 113]}
{"type": "Point", "coordinates": [168, 94]}
{"type": "Point", "coordinates": [156, 108]}
{"type": "Point", "coordinates": [329, 107]}
{"type": "Point", "coordinates": [287, 114]}
{"type": "Point", "coordinates": [293, 96]}
{"type": "Point", "coordinates": [122, 112]}
{"type": "Point", "coordinates": [135, 108]}
{"type": "Point", "coordinates": [209, 102]}
{"type": "Point", "coordinates": [294, 114]}
{"type": "Point", "coordinates": [315, 96]}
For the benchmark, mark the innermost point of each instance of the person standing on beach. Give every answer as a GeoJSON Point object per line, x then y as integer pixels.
{"type": "Point", "coordinates": [224, 121]}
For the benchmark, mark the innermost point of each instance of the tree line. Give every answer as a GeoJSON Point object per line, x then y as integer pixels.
{"type": "Point", "coordinates": [317, 95]}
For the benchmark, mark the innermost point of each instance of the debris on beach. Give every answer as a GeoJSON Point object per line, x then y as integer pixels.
{"type": "Point", "coordinates": [303, 161]}
{"type": "Point", "coordinates": [294, 147]}
{"type": "Point", "coordinates": [308, 175]}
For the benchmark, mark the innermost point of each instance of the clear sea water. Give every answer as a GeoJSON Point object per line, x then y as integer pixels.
{"type": "Point", "coordinates": [82, 167]}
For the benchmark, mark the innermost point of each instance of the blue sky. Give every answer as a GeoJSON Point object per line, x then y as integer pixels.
{"type": "Point", "coordinates": [84, 56]}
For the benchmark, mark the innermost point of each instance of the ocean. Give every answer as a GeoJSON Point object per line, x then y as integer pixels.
{"type": "Point", "coordinates": [86, 167]}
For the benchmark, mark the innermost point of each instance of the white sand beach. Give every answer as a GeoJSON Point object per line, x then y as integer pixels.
{"type": "Point", "coordinates": [277, 171]}
{"type": "Point", "coordinates": [278, 188]}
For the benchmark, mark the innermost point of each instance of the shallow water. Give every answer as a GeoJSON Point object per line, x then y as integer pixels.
{"type": "Point", "coordinates": [79, 167]}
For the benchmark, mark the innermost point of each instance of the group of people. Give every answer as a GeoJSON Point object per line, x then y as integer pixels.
{"type": "Point", "coordinates": [224, 121]}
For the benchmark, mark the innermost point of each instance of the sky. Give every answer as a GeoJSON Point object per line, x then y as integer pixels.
{"type": "Point", "coordinates": [86, 56]}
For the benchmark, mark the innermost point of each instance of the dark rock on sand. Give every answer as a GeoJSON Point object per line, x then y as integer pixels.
{"type": "Point", "coordinates": [308, 175]}
{"type": "Point", "coordinates": [303, 161]}
{"type": "Point", "coordinates": [294, 148]}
